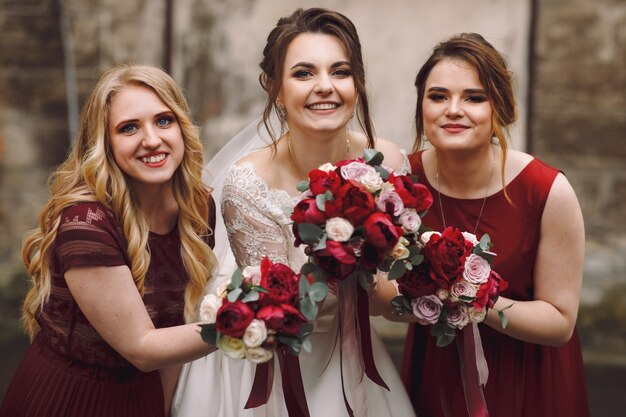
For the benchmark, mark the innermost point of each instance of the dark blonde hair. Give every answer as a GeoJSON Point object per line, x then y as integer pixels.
{"type": "Point", "coordinates": [493, 73]}
{"type": "Point", "coordinates": [314, 20]}
{"type": "Point", "coordinates": [90, 173]}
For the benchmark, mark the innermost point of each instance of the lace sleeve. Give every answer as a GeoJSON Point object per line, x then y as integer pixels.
{"type": "Point", "coordinates": [254, 220]}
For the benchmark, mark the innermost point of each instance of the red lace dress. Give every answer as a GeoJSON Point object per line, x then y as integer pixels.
{"type": "Point", "coordinates": [525, 379]}
{"type": "Point", "coordinates": [69, 370]}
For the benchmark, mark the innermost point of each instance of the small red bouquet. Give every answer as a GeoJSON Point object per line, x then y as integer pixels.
{"type": "Point", "coordinates": [454, 284]}
{"type": "Point", "coordinates": [262, 313]}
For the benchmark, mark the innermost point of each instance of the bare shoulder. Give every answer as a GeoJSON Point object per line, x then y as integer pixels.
{"type": "Point", "coordinates": [261, 160]}
{"type": "Point", "coordinates": [394, 157]}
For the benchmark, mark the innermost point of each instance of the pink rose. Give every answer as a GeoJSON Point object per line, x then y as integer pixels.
{"type": "Point", "coordinates": [390, 202]}
{"type": "Point", "coordinates": [427, 309]}
{"type": "Point", "coordinates": [456, 316]}
{"type": "Point", "coordinates": [355, 170]}
{"type": "Point", "coordinates": [477, 269]}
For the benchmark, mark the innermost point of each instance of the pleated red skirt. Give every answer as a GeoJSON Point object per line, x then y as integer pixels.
{"type": "Point", "coordinates": [51, 385]}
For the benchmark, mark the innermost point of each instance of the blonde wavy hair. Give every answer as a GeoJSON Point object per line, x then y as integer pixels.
{"type": "Point", "coordinates": [90, 174]}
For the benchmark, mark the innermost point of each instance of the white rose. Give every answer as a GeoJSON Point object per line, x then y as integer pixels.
{"type": "Point", "coordinates": [371, 181]}
{"type": "Point", "coordinates": [259, 355]}
{"type": "Point", "coordinates": [470, 237]}
{"type": "Point", "coordinates": [355, 170]}
{"type": "Point", "coordinates": [232, 347]}
{"type": "Point", "coordinates": [476, 315]}
{"type": "Point", "coordinates": [457, 316]}
{"type": "Point", "coordinates": [253, 273]}
{"type": "Point", "coordinates": [477, 269]}
{"type": "Point", "coordinates": [387, 186]}
{"type": "Point", "coordinates": [463, 289]}
{"type": "Point", "coordinates": [327, 167]}
{"type": "Point", "coordinates": [339, 229]}
{"type": "Point", "coordinates": [208, 308]}
{"type": "Point", "coordinates": [410, 220]}
{"type": "Point", "coordinates": [255, 333]}
{"type": "Point", "coordinates": [442, 293]}
{"type": "Point", "coordinates": [400, 251]}
{"type": "Point", "coordinates": [425, 237]}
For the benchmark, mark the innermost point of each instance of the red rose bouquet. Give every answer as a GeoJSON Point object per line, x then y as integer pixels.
{"type": "Point", "coordinates": [356, 218]}
{"type": "Point", "coordinates": [454, 284]}
{"type": "Point", "coordinates": [259, 315]}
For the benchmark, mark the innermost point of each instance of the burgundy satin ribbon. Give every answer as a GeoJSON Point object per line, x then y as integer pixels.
{"type": "Point", "coordinates": [473, 370]}
{"type": "Point", "coordinates": [293, 390]}
{"type": "Point", "coordinates": [355, 345]}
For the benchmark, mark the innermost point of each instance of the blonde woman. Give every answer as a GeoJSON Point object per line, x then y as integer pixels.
{"type": "Point", "coordinates": [120, 258]}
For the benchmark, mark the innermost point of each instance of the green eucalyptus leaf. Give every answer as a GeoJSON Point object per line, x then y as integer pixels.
{"type": "Point", "coordinates": [503, 320]}
{"type": "Point", "coordinates": [303, 186]}
{"type": "Point", "coordinates": [308, 268]}
{"type": "Point", "coordinates": [372, 156]}
{"type": "Point", "coordinates": [321, 245]}
{"type": "Point", "coordinates": [308, 308]}
{"type": "Point", "coordinates": [234, 295]}
{"type": "Point", "coordinates": [235, 280]}
{"type": "Point", "coordinates": [397, 270]}
{"type": "Point", "coordinates": [250, 296]}
{"type": "Point", "coordinates": [303, 286]}
{"type": "Point", "coordinates": [208, 332]}
{"type": "Point", "coordinates": [260, 289]}
{"type": "Point", "coordinates": [310, 233]}
{"type": "Point", "coordinates": [306, 345]}
{"type": "Point", "coordinates": [365, 278]}
{"type": "Point", "coordinates": [318, 291]}
{"type": "Point", "coordinates": [444, 340]}
{"type": "Point", "coordinates": [485, 242]}
{"type": "Point", "coordinates": [384, 174]}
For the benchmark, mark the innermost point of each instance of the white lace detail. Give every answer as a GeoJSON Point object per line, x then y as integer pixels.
{"type": "Point", "coordinates": [256, 219]}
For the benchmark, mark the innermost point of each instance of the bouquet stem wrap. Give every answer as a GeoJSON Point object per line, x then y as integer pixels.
{"type": "Point", "coordinates": [474, 371]}
{"type": "Point", "coordinates": [293, 390]}
{"type": "Point", "coordinates": [356, 344]}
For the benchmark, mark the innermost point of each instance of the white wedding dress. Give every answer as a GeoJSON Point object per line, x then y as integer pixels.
{"type": "Point", "coordinates": [216, 385]}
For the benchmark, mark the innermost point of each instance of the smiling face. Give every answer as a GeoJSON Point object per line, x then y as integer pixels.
{"type": "Point", "coordinates": [317, 89]}
{"type": "Point", "coordinates": [456, 110]}
{"type": "Point", "coordinates": [146, 139]}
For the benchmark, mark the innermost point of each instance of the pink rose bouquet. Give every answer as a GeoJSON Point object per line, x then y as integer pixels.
{"type": "Point", "coordinates": [454, 284]}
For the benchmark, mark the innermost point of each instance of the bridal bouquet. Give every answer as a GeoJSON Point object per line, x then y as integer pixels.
{"type": "Point", "coordinates": [357, 217]}
{"type": "Point", "coordinates": [258, 312]}
{"type": "Point", "coordinates": [453, 286]}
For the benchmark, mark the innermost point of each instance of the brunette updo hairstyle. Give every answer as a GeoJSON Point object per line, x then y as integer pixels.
{"type": "Point", "coordinates": [493, 73]}
{"type": "Point", "coordinates": [313, 20]}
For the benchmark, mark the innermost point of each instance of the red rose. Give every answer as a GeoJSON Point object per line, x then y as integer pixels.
{"type": "Point", "coordinates": [233, 318]}
{"type": "Point", "coordinates": [446, 255]}
{"type": "Point", "coordinates": [335, 270]}
{"type": "Point", "coordinates": [342, 252]}
{"type": "Point", "coordinates": [283, 318]}
{"type": "Point", "coordinates": [352, 202]}
{"type": "Point", "coordinates": [280, 281]}
{"type": "Point", "coordinates": [381, 232]}
{"type": "Point", "coordinates": [371, 256]}
{"type": "Point", "coordinates": [322, 181]}
{"type": "Point", "coordinates": [488, 292]}
{"type": "Point", "coordinates": [413, 195]}
{"type": "Point", "coordinates": [417, 283]}
{"type": "Point", "coordinates": [306, 211]}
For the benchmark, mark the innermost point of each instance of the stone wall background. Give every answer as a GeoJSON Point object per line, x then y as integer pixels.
{"type": "Point", "coordinates": [569, 58]}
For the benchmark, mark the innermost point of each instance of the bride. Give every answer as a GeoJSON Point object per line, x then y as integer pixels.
{"type": "Point", "coordinates": [313, 73]}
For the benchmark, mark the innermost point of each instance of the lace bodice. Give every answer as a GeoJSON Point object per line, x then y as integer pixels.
{"type": "Point", "coordinates": [257, 219]}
